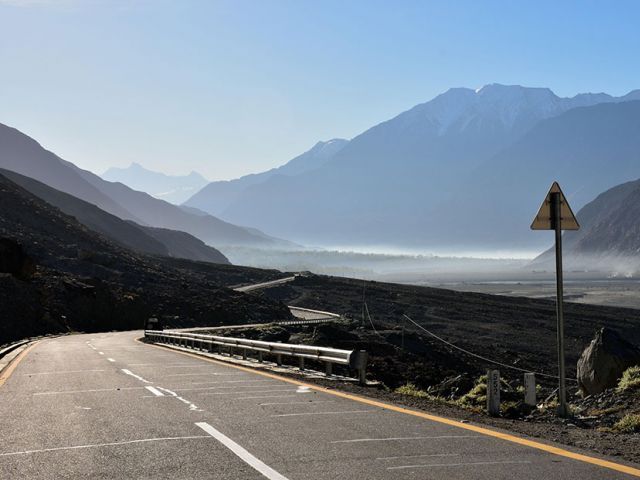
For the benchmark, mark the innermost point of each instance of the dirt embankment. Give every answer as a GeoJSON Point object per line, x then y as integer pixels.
{"type": "Point", "coordinates": [513, 330]}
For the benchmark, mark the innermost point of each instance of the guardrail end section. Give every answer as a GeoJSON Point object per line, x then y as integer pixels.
{"type": "Point", "coordinates": [358, 362]}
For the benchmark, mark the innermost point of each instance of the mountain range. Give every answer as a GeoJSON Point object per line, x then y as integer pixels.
{"type": "Point", "coordinates": [464, 170]}
{"type": "Point", "coordinates": [216, 197]}
{"type": "Point", "coordinates": [23, 155]}
{"type": "Point", "coordinates": [172, 188]}
{"type": "Point", "coordinates": [149, 240]}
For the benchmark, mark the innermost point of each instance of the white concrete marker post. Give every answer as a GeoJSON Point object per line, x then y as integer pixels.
{"type": "Point", "coordinates": [493, 392]}
{"type": "Point", "coordinates": [556, 214]}
{"type": "Point", "coordinates": [530, 389]}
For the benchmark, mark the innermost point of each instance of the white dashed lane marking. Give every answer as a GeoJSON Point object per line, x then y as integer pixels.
{"type": "Point", "coordinates": [183, 400]}
{"type": "Point", "coordinates": [242, 453]}
{"type": "Point", "coordinates": [138, 377]}
{"type": "Point", "coordinates": [155, 391]}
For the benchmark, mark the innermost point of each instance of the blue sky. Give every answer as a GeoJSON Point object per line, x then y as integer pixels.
{"type": "Point", "coordinates": [233, 87]}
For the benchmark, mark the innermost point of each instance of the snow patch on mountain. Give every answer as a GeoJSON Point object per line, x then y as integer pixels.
{"type": "Point", "coordinates": [507, 106]}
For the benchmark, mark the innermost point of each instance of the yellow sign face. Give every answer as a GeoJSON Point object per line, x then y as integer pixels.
{"type": "Point", "coordinates": [544, 218]}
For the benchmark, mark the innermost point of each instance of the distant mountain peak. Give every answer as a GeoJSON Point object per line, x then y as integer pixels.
{"type": "Point", "coordinates": [505, 106]}
{"type": "Point", "coordinates": [172, 188]}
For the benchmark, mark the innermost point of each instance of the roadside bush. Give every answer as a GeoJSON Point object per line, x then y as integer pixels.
{"type": "Point", "coordinates": [411, 390]}
{"type": "Point", "coordinates": [628, 424]}
{"type": "Point", "coordinates": [630, 379]}
{"type": "Point", "coordinates": [477, 396]}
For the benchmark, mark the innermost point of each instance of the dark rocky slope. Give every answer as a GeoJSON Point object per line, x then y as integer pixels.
{"type": "Point", "coordinates": [22, 154]}
{"type": "Point", "coordinates": [514, 330]}
{"type": "Point", "coordinates": [156, 241]}
{"type": "Point", "coordinates": [81, 281]}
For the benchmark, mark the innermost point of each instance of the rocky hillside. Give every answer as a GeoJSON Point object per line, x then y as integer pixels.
{"type": "Point", "coordinates": [22, 154]}
{"type": "Point", "coordinates": [57, 275]}
{"type": "Point", "coordinates": [513, 330]}
{"type": "Point", "coordinates": [610, 224]}
{"type": "Point", "coordinates": [155, 241]}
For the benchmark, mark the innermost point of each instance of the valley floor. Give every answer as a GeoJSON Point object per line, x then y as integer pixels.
{"type": "Point", "coordinates": [615, 293]}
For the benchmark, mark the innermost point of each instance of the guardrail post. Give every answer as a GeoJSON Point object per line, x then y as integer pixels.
{"type": "Point", "coordinates": [278, 359]}
{"type": "Point", "coordinates": [328, 369]}
{"type": "Point", "coordinates": [493, 392]}
{"type": "Point", "coordinates": [260, 357]}
{"type": "Point", "coordinates": [530, 389]}
{"type": "Point", "coordinates": [244, 353]}
{"type": "Point", "coordinates": [301, 363]}
{"type": "Point", "coordinates": [360, 365]}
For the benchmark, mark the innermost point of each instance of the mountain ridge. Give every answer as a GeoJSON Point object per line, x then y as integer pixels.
{"type": "Point", "coordinates": [22, 154]}
{"type": "Point", "coordinates": [223, 193]}
{"type": "Point", "coordinates": [172, 188]}
{"type": "Point", "coordinates": [147, 240]}
{"type": "Point", "coordinates": [386, 185]}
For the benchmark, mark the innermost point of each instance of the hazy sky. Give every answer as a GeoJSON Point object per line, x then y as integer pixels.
{"type": "Point", "coordinates": [233, 87]}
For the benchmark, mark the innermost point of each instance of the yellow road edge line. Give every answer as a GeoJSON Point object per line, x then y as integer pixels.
{"type": "Point", "coordinates": [428, 416]}
{"type": "Point", "coordinates": [8, 370]}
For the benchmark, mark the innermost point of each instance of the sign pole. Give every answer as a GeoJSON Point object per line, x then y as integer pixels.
{"type": "Point", "coordinates": [556, 215]}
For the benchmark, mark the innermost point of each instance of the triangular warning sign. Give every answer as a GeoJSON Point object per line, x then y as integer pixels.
{"type": "Point", "coordinates": [545, 219]}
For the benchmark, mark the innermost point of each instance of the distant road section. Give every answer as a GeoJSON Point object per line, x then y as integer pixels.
{"type": "Point", "coordinates": [308, 314]}
{"type": "Point", "coordinates": [258, 286]}
{"type": "Point", "coordinates": [298, 312]}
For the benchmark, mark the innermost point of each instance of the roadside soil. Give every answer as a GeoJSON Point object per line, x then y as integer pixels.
{"type": "Point", "coordinates": [517, 331]}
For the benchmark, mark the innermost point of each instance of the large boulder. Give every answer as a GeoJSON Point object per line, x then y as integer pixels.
{"type": "Point", "coordinates": [605, 359]}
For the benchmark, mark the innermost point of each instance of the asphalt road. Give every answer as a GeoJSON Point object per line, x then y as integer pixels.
{"type": "Point", "coordinates": [105, 406]}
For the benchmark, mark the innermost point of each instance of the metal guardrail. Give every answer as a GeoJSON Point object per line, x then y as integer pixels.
{"type": "Point", "coordinates": [12, 347]}
{"type": "Point", "coordinates": [355, 360]}
{"type": "Point", "coordinates": [302, 321]}
{"type": "Point", "coordinates": [327, 317]}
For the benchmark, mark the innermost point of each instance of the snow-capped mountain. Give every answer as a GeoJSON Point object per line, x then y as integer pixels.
{"type": "Point", "coordinates": [171, 188]}
{"type": "Point", "coordinates": [398, 182]}
{"type": "Point", "coordinates": [502, 107]}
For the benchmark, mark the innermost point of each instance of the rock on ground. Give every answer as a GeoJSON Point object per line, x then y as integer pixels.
{"type": "Point", "coordinates": [605, 359]}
